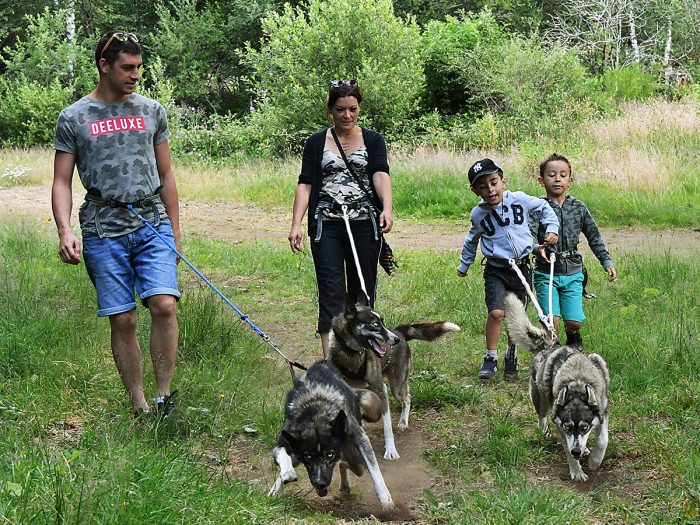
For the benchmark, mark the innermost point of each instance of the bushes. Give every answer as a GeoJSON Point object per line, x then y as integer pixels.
{"type": "Point", "coordinates": [302, 50]}
{"type": "Point", "coordinates": [530, 89]}
{"type": "Point", "coordinates": [29, 111]}
{"type": "Point", "coordinates": [441, 42]}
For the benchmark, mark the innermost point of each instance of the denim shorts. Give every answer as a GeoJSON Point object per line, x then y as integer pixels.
{"type": "Point", "coordinates": [567, 295]}
{"type": "Point", "coordinates": [138, 260]}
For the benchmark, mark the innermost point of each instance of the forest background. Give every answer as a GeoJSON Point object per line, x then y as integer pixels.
{"type": "Point", "coordinates": [248, 78]}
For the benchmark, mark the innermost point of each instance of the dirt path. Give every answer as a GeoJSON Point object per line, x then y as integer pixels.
{"type": "Point", "coordinates": [408, 477]}
{"type": "Point", "coordinates": [241, 223]}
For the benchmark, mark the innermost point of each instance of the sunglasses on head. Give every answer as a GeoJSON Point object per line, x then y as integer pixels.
{"type": "Point", "coordinates": [343, 83]}
{"type": "Point", "coordinates": [122, 37]}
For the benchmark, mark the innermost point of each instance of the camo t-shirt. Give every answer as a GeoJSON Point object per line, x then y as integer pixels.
{"type": "Point", "coordinates": [113, 144]}
{"type": "Point", "coordinates": [340, 186]}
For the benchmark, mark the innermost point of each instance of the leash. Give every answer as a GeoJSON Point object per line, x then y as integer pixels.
{"type": "Point", "coordinates": [243, 316]}
{"type": "Point", "coordinates": [546, 320]}
{"type": "Point", "coordinates": [344, 207]}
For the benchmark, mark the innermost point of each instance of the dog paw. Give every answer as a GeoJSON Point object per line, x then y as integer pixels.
{"type": "Point", "coordinates": [391, 453]}
{"type": "Point", "coordinates": [595, 459]}
{"type": "Point", "coordinates": [288, 476]}
{"type": "Point", "coordinates": [402, 426]}
{"type": "Point", "coordinates": [578, 476]}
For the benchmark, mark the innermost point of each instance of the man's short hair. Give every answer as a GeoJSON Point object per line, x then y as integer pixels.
{"type": "Point", "coordinates": [126, 44]}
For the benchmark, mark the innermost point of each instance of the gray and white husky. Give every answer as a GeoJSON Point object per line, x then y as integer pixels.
{"type": "Point", "coordinates": [365, 351]}
{"type": "Point", "coordinates": [323, 427]}
{"type": "Point", "coordinates": [566, 383]}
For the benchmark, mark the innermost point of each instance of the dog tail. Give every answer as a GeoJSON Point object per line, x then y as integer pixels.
{"type": "Point", "coordinates": [426, 331]}
{"type": "Point", "coordinates": [370, 405]}
{"type": "Point", "coordinates": [521, 331]}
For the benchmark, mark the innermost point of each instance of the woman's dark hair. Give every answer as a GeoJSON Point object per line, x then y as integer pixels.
{"type": "Point", "coordinates": [343, 90]}
{"type": "Point", "coordinates": [552, 158]}
{"type": "Point", "coordinates": [127, 43]}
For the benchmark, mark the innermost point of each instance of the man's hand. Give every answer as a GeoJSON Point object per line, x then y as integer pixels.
{"type": "Point", "coordinates": [69, 248]}
{"type": "Point", "coordinates": [611, 272]}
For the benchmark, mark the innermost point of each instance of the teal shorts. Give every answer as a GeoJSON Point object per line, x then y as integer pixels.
{"type": "Point", "coordinates": [567, 295]}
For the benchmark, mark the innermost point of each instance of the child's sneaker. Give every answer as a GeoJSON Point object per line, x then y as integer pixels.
{"type": "Point", "coordinates": [510, 363]}
{"type": "Point", "coordinates": [488, 368]}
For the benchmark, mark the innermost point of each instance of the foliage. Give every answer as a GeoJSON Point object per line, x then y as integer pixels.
{"type": "Point", "coordinates": [197, 42]}
{"type": "Point", "coordinates": [303, 49]}
{"type": "Point", "coordinates": [443, 40]}
{"type": "Point", "coordinates": [629, 83]}
{"type": "Point", "coordinates": [531, 89]}
{"type": "Point", "coordinates": [29, 111]}
{"type": "Point", "coordinates": [45, 55]}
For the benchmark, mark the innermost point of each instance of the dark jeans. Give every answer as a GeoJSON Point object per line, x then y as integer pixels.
{"type": "Point", "coordinates": [335, 266]}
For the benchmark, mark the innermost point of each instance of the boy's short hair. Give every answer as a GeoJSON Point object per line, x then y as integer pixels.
{"type": "Point", "coordinates": [481, 168]}
{"type": "Point", "coordinates": [552, 158]}
{"type": "Point", "coordinates": [119, 42]}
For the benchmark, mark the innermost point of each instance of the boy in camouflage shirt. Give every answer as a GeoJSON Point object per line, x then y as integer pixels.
{"type": "Point", "coordinates": [574, 219]}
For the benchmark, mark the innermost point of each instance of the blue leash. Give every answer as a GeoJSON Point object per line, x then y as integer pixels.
{"type": "Point", "coordinates": [243, 316]}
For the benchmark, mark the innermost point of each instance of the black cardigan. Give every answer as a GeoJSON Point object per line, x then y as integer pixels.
{"type": "Point", "coordinates": [313, 155]}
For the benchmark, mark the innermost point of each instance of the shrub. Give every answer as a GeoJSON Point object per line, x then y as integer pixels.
{"type": "Point", "coordinates": [531, 90]}
{"type": "Point", "coordinates": [302, 49]}
{"type": "Point", "coordinates": [629, 83]}
{"type": "Point", "coordinates": [45, 55]}
{"type": "Point", "coordinates": [29, 111]}
{"type": "Point", "coordinates": [440, 43]}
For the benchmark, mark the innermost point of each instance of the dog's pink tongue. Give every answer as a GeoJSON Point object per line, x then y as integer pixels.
{"type": "Point", "coordinates": [379, 349]}
{"type": "Point", "coordinates": [322, 492]}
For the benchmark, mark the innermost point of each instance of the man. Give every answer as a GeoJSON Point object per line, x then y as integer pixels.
{"type": "Point", "coordinates": [118, 140]}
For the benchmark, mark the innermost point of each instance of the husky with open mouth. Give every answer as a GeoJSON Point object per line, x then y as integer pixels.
{"type": "Point", "coordinates": [365, 351]}
{"type": "Point", "coordinates": [323, 427]}
{"type": "Point", "coordinates": [567, 384]}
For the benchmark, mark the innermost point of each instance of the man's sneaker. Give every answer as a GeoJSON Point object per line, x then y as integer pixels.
{"type": "Point", "coordinates": [510, 363]}
{"type": "Point", "coordinates": [488, 368]}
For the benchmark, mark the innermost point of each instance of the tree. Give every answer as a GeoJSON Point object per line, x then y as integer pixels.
{"type": "Point", "coordinates": [303, 49]}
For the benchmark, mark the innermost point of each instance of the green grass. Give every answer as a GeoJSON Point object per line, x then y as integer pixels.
{"type": "Point", "coordinates": [70, 454]}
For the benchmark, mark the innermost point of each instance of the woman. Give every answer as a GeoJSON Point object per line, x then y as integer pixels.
{"type": "Point", "coordinates": [325, 184]}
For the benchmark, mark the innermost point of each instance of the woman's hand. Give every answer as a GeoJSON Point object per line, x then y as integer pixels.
{"type": "Point", "coordinates": [386, 221]}
{"type": "Point", "coordinates": [295, 238]}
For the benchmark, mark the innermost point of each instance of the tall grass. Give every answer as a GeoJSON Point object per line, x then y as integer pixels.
{"type": "Point", "coordinates": [69, 453]}
{"type": "Point", "coordinates": [640, 168]}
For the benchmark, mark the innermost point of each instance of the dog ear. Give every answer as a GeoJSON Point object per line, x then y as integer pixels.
{"type": "Point", "coordinates": [561, 398]}
{"type": "Point", "coordinates": [592, 400]}
{"type": "Point", "coordinates": [339, 424]}
{"type": "Point", "coordinates": [362, 298]}
{"type": "Point", "coordinates": [293, 440]}
{"type": "Point", "coordinates": [350, 308]}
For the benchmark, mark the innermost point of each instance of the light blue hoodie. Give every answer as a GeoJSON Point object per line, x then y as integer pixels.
{"type": "Point", "coordinates": [504, 230]}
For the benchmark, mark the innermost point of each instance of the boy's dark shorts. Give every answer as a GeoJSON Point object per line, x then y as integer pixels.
{"type": "Point", "coordinates": [498, 281]}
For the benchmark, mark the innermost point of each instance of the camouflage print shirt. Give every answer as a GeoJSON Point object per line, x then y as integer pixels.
{"type": "Point", "coordinates": [574, 219]}
{"type": "Point", "coordinates": [113, 144]}
{"type": "Point", "coordinates": [340, 187]}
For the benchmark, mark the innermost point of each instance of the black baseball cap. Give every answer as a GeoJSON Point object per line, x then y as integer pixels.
{"type": "Point", "coordinates": [482, 167]}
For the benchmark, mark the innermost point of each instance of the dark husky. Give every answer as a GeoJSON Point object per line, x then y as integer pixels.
{"type": "Point", "coordinates": [323, 426]}
{"type": "Point", "coordinates": [364, 351]}
{"type": "Point", "coordinates": [567, 383]}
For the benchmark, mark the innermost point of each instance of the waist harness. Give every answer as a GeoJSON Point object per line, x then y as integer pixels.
{"type": "Point", "coordinates": [93, 195]}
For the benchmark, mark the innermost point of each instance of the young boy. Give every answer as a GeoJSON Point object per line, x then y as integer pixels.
{"type": "Point", "coordinates": [500, 221]}
{"type": "Point", "coordinates": [574, 218]}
